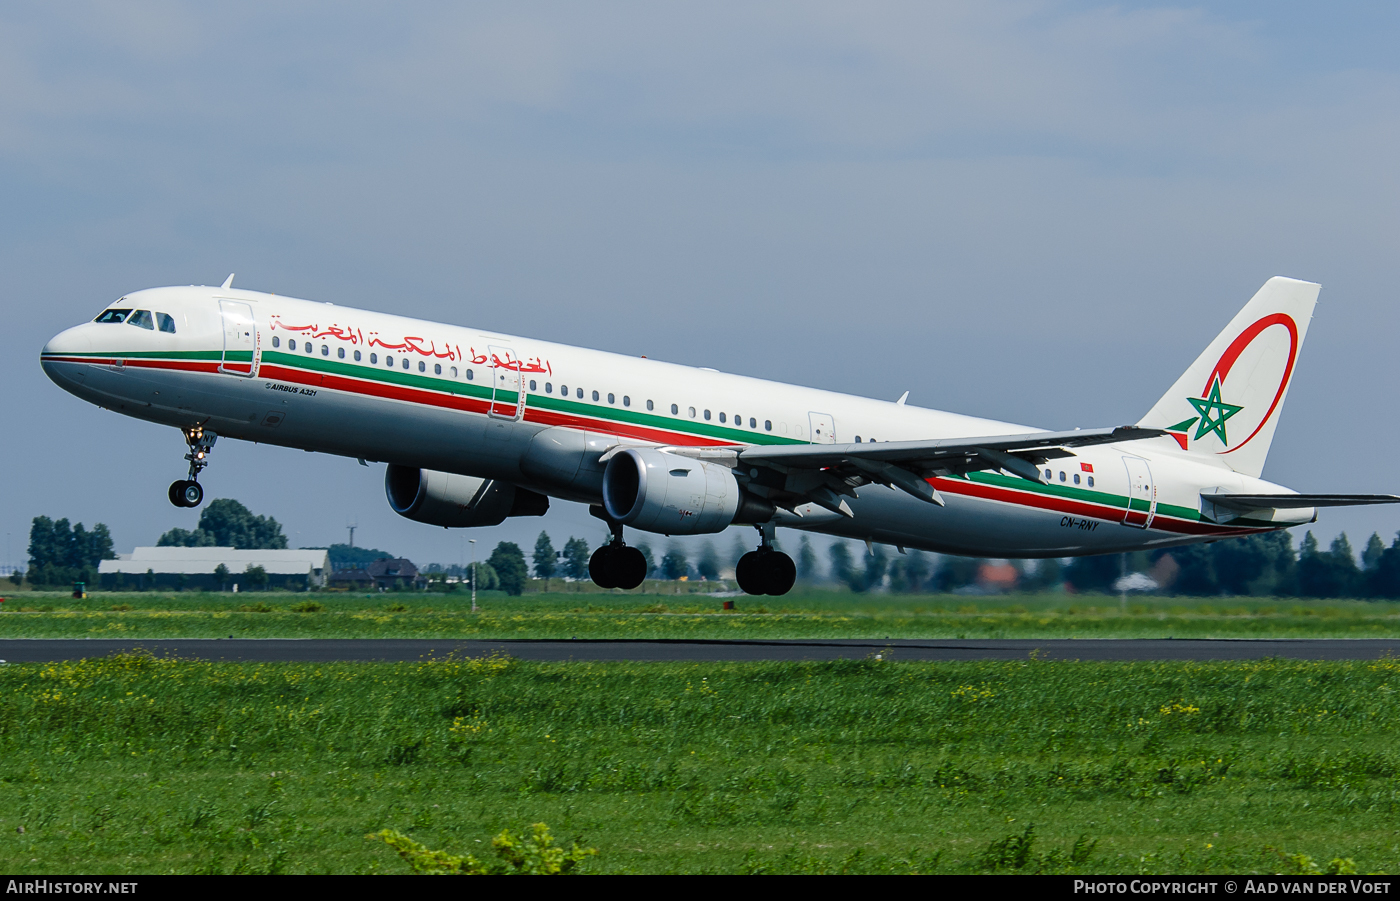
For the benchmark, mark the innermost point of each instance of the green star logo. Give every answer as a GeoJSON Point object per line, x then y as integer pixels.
{"type": "Point", "coordinates": [1212, 404]}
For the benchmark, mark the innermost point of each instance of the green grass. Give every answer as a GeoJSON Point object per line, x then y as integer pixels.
{"type": "Point", "coordinates": [137, 765]}
{"type": "Point", "coordinates": [812, 614]}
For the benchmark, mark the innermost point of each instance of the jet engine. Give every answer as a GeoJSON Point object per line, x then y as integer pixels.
{"type": "Point", "coordinates": [657, 491]}
{"type": "Point", "coordinates": [456, 501]}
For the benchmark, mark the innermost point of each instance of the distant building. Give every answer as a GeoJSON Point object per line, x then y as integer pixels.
{"type": "Point", "coordinates": [193, 567]}
{"type": "Point", "coordinates": [384, 573]}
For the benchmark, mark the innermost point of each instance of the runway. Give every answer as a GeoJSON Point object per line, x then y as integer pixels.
{"type": "Point", "coordinates": [599, 650]}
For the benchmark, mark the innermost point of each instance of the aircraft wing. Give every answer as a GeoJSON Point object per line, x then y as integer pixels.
{"type": "Point", "coordinates": [936, 454]}
{"type": "Point", "coordinates": [1298, 501]}
{"type": "Point", "coordinates": [820, 473]}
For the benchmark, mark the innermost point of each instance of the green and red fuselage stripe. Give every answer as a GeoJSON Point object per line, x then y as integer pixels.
{"type": "Point", "coordinates": [551, 411]}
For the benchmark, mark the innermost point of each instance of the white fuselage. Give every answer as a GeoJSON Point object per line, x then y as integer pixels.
{"type": "Point", "coordinates": [386, 388]}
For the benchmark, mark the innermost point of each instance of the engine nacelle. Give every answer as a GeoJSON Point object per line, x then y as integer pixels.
{"type": "Point", "coordinates": [656, 491]}
{"type": "Point", "coordinates": [456, 501]}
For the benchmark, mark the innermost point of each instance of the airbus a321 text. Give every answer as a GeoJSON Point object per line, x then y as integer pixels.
{"type": "Point", "coordinates": [477, 426]}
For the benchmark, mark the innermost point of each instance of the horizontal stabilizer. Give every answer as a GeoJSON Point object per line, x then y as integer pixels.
{"type": "Point", "coordinates": [1298, 501]}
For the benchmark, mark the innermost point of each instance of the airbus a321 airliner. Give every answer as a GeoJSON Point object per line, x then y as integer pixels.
{"type": "Point", "coordinates": [477, 426]}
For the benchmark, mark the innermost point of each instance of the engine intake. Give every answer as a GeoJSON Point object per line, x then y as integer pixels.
{"type": "Point", "coordinates": [657, 491]}
{"type": "Point", "coordinates": [456, 501]}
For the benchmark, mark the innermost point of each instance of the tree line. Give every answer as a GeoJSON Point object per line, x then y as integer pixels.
{"type": "Point", "coordinates": [61, 554]}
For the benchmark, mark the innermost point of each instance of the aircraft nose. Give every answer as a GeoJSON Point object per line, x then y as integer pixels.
{"type": "Point", "coordinates": [61, 358]}
{"type": "Point", "coordinates": [69, 341]}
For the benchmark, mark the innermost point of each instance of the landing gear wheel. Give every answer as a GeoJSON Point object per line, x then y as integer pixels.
{"type": "Point", "coordinates": [629, 567]}
{"type": "Point", "coordinates": [191, 494]}
{"type": "Point", "coordinates": [176, 493]}
{"type": "Point", "coordinates": [617, 566]}
{"type": "Point", "coordinates": [602, 567]}
{"type": "Point", "coordinates": [780, 573]}
{"type": "Point", "coordinates": [748, 572]}
{"type": "Point", "coordinates": [765, 572]}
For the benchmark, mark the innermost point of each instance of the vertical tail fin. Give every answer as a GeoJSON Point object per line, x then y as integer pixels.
{"type": "Point", "coordinates": [1228, 403]}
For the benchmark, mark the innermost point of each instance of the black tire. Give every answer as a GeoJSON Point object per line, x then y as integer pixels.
{"type": "Point", "coordinates": [629, 567]}
{"type": "Point", "coordinates": [748, 572]}
{"type": "Point", "coordinates": [602, 567]}
{"type": "Point", "coordinates": [779, 573]}
{"type": "Point", "coordinates": [175, 493]}
{"type": "Point", "coordinates": [192, 494]}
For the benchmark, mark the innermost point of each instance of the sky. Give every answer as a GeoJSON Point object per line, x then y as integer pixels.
{"type": "Point", "coordinates": [1036, 212]}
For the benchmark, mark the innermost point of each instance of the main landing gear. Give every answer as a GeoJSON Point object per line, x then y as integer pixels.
{"type": "Point", "coordinates": [187, 492]}
{"type": "Point", "coordinates": [615, 565]}
{"type": "Point", "coordinates": [766, 570]}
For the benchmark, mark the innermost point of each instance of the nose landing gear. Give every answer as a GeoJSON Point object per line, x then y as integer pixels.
{"type": "Point", "coordinates": [766, 570]}
{"type": "Point", "coordinates": [187, 492]}
{"type": "Point", "coordinates": [615, 565]}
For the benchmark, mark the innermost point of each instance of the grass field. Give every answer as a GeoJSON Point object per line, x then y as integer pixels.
{"type": "Point", "coordinates": [136, 765]}
{"type": "Point", "coordinates": [594, 614]}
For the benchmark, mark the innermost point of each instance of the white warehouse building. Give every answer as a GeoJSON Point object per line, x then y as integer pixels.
{"type": "Point", "coordinates": [193, 567]}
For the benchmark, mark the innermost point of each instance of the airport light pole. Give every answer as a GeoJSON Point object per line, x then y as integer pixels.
{"type": "Point", "coordinates": [473, 544]}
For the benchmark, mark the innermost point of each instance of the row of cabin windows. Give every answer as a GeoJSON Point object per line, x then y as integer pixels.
{"type": "Point", "coordinates": [308, 347]}
{"type": "Point", "coordinates": [1050, 476]}
{"type": "Point", "coordinates": [140, 318]}
{"type": "Point", "coordinates": [651, 405]}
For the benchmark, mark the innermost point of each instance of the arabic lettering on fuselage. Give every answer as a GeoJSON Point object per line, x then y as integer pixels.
{"type": "Point", "coordinates": [423, 346]}
{"type": "Point", "coordinates": [533, 364]}
{"type": "Point", "coordinates": [339, 332]}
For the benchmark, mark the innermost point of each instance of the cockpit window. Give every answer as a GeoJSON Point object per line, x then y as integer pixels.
{"type": "Point", "coordinates": [113, 316]}
{"type": "Point", "coordinates": [166, 322]}
{"type": "Point", "coordinates": [141, 319]}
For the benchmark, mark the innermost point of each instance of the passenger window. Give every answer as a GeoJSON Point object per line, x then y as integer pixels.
{"type": "Point", "coordinates": [595, 395]}
{"type": "Point", "coordinates": [357, 356]}
{"type": "Point", "coordinates": [325, 350]}
{"type": "Point", "coordinates": [753, 423]}
{"type": "Point", "coordinates": [142, 319]}
{"type": "Point", "coordinates": [548, 387]}
{"type": "Point", "coordinates": [626, 401]}
{"type": "Point", "coordinates": [470, 375]}
{"type": "Point", "coordinates": [578, 392]}
{"type": "Point", "coordinates": [692, 412]}
{"type": "Point", "coordinates": [857, 439]}
{"type": "Point", "coordinates": [649, 406]}
{"type": "Point", "coordinates": [374, 358]}
{"type": "Point", "coordinates": [610, 398]}
{"type": "Point", "coordinates": [340, 352]}
{"type": "Point", "coordinates": [563, 390]}
{"type": "Point", "coordinates": [112, 316]}
{"type": "Point", "coordinates": [308, 347]}
{"type": "Point", "coordinates": [437, 370]}
{"type": "Point", "coordinates": [532, 384]}
{"type": "Point", "coordinates": [276, 341]}
{"type": "Point", "coordinates": [405, 363]}
{"type": "Point", "coordinates": [454, 371]}
{"type": "Point", "coordinates": [767, 425]}
{"type": "Point", "coordinates": [1091, 481]}
{"type": "Point", "coordinates": [721, 416]}
{"type": "Point", "coordinates": [422, 367]}
{"type": "Point", "coordinates": [707, 415]}
{"type": "Point", "coordinates": [1076, 478]}
{"type": "Point", "coordinates": [1062, 475]}
{"type": "Point", "coordinates": [166, 322]}
{"type": "Point", "coordinates": [389, 360]}
{"type": "Point", "coordinates": [675, 410]}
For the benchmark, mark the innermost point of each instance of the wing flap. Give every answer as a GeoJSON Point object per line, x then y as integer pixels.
{"type": "Point", "coordinates": [1297, 501]}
